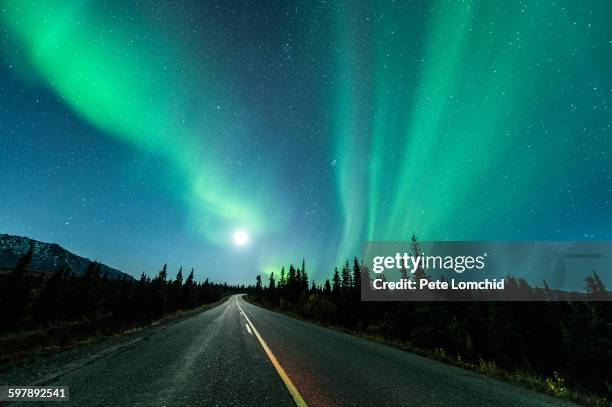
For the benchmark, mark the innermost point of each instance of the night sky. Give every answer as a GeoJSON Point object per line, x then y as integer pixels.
{"type": "Point", "coordinates": [139, 133]}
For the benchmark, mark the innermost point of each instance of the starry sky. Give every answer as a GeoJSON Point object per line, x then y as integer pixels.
{"type": "Point", "coordinates": [145, 132]}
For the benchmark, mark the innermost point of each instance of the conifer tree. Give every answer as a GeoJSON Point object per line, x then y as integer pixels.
{"type": "Point", "coordinates": [271, 282]}
{"type": "Point", "coordinates": [258, 287]}
{"type": "Point", "coordinates": [347, 282]}
{"type": "Point", "coordinates": [327, 287]}
{"type": "Point", "coordinates": [179, 277]}
{"type": "Point", "coordinates": [336, 283]}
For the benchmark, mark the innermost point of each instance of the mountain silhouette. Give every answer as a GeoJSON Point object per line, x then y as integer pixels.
{"type": "Point", "coordinates": [47, 257]}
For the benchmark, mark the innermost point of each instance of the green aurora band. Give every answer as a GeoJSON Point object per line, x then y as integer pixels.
{"type": "Point", "coordinates": [450, 119]}
{"type": "Point", "coordinates": [447, 124]}
{"type": "Point", "coordinates": [135, 99]}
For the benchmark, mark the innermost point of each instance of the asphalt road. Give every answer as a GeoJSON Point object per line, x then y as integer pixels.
{"type": "Point", "coordinates": [215, 358]}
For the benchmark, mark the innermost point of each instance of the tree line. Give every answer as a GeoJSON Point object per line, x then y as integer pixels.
{"type": "Point", "coordinates": [94, 302]}
{"type": "Point", "coordinates": [567, 340]}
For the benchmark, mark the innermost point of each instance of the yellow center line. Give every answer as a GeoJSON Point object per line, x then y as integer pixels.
{"type": "Point", "coordinates": [297, 397]}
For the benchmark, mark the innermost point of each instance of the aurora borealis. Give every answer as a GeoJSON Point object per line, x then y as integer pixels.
{"type": "Point", "coordinates": [148, 133]}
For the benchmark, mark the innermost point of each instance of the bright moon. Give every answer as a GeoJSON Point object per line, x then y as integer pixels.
{"type": "Point", "coordinates": [241, 237]}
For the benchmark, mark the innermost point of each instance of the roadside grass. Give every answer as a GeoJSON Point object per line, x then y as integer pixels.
{"type": "Point", "coordinates": [554, 385]}
{"type": "Point", "coordinates": [25, 347]}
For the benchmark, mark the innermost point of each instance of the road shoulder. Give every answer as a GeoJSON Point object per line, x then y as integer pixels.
{"type": "Point", "coordinates": [49, 367]}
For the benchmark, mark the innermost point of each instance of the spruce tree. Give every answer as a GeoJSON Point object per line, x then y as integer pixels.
{"type": "Point", "coordinates": [336, 283]}
{"type": "Point", "coordinates": [347, 281]}
{"type": "Point", "coordinates": [258, 287]}
{"type": "Point", "coordinates": [327, 287]}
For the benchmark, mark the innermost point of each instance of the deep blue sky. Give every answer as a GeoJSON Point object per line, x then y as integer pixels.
{"type": "Point", "coordinates": [149, 133]}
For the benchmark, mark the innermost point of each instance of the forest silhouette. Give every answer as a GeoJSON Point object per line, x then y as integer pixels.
{"type": "Point", "coordinates": [567, 342]}
{"type": "Point", "coordinates": [60, 308]}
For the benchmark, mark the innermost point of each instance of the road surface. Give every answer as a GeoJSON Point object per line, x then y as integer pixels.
{"type": "Point", "coordinates": [220, 357]}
